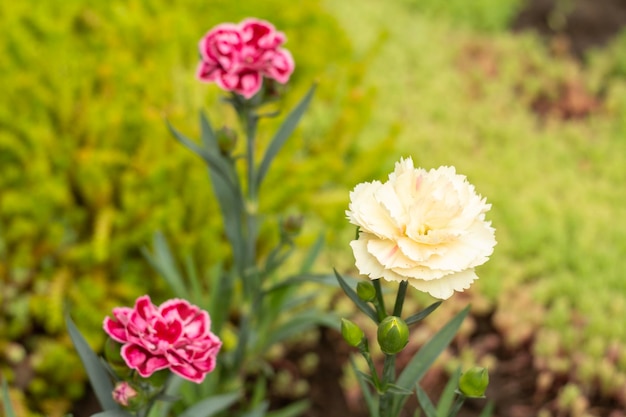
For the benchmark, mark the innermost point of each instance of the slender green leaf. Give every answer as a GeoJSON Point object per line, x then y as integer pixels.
{"type": "Point", "coordinates": [423, 314]}
{"type": "Point", "coordinates": [221, 295]}
{"type": "Point", "coordinates": [447, 396]}
{"type": "Point", "coordinates": [362, 305]}
{"type": "Point", "coordinates": [194, 281]}
{"type": "Point", "coordinates": [258, 411]}
{"type": "Point", "coordinates": [281, 136]}
{"type": "Point", "coordinates": [398, 390]}
{"type": "Point", "coordinates": [98, 375]}
{"type": "Point", "coordinates": [6, 400]}
{"type": "Point", "coordinates": [213, 160]}
{"type": "Point", "coordinates": [292, 410]}
{"type": "Point", "coordinates": [227, 191]}
{"type": "Point", "coordinates": [163, 262]}
{"type": "Point", "coordinates": [425, 402]}
{"type": "Point", "coordinates": [113, 413]}
{"type": "Point", "coordinates": [362, 379]}
{"type": "Point", "coordinates": [312, 254]}
{"type": "Point", "coordinates": [211, 406]}
{"type": "Point", "coordinates": [209, 139]}
{"type": "Point", "coordinates": [488, 410]}
{"type": "Point", "coordinates": [421, 362]}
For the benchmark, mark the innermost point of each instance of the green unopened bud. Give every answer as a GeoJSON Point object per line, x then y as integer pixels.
{"type": "Point", "coordinates": [393, 335]}
{"type": "Point", "coordinates": [226, 140]}
{"type": "Point", "coordinates": [474, 382]}
{"type": "Point", "coordinates": [366, 291]}
{"type": "Point", "coordinates": [292, 225]}
{"type": "Point", "coordinates": [351, 333]}
{"type": "Point", "coordinates": [112, 352]}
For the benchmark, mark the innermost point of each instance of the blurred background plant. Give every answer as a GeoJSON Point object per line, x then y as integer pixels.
{"type": "Point", "coordinates": [87, 166]}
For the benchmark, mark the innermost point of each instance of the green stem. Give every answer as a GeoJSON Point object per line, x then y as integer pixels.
{"type": "Point", "coordinates": [379, 302]}
{"type": "Point", "coordinates": [456, 407]}
{"type": "Point", "coordinates": [364, 350]}
{"type": "Point", "coordinates": [389, 376]}
{"type": "Point", "coordinates": [397, 308]}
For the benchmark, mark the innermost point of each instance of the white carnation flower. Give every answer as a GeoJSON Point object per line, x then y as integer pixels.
{"type": "Point", "coordinates": [427, 227]}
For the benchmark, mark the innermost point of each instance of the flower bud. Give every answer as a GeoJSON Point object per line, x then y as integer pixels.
{"type": "Point", "coordinates": [292, 225]}
{"type": "Point", "coordinates": [365, 290]}
{"type": "Point", "coordinates": [226, 140]}
{"type": "Point", "coordinates": [127, 395]}
{"type": "Point", "coordinates": [351, 333]}
{"type": "Point", "coordinates": [474, 382]}
{"type": "Point", "coordinates": [112, 352]}
{"type": "Point", "coordinates": [393, 335]}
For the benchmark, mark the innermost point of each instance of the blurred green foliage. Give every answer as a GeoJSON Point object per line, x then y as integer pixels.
{"type": "Point", "coordinates": [89, 171]}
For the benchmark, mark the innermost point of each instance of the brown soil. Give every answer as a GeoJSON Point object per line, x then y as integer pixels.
{"type": "Point", "coordinates": [582, 24]}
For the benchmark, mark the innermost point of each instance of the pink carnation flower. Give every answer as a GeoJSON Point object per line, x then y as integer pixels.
{"type": "Point", "coordinates": [175, 335]}
{"type": "Point", "coordinates": [237, 57]}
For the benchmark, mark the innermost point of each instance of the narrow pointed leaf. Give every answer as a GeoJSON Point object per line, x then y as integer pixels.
{"type": "Point", "coordinates": [113, 413]}
{"type": "Point", "coordinates": [292, 410]}
{"type": "Point", "coordinates": [6, 400]}
{"type": "Point", "coordinates": [426, 356]}
{"type": "Point", "coordinates": [163, 262]}
{"type": "Point", "coordinates": [227, 191]}
{"type": "Point", "coordinates": [194, 281]}
{"type": "Point", "coordinates": [98, 375]}
{"type": "Point", "coordinates": [447, 397]}
{"type": "Point", "coordinates": [258, 411]}
{"type": "Point", "coordinates": [423, 314]}
{"type": "Point", "coordinates": [211, 406]}
{"type": "Point", "coordinates": [283, 133]}
{"type": "Point", "coordinates": [213, 160]}
{"type": "Point", "coordinates": [488, 410]}
{"type": "Point", "coordinates": [312, 255]}
{"type": "Point", "coordinates": [362, 379]}
{"type": "Point", "coordinates": [209, 140]}
{"type": "Point", "coordinates": [425, 402]}
{"type": "Point", "coordinates": [362, 305]}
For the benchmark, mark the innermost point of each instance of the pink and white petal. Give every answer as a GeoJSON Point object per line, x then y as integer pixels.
{"type": "Point", "coordinates": [115, 330]}
{"type": "Point", "coordinates": [198, 326]}
{"type": "Point", "coordinates": [443, 288]}
{"type": "Point", "coordinates": [189, 372]}
{"type": "Point", "coordinates": [168, 332]}
{"type": "Point", "coordinates": [249, 84]}
{"type": "Point", "coordinates": [205, 364]}
{"type": "Point", "coordinates": [225, 32]}
{"type": "Point", "coordinates": [208, 72]}
{"type": "Point", "coordinates": [134, 355]}
{"type": "Point", "coordinates": [281, 66]}
{"type": "Point", "coordinates": [122, 314]}
{"type": "Point", "coordinates": [177, 309]}
{"type": "Point", "coordinates": [151, 365]}
{"type": "Point", "coordinates": [144, 309]}
{"type": "Point", "coordinates": [228, 81]}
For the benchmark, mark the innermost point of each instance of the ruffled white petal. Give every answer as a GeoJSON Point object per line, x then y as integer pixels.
{"type": "Point", "coordinates": [425, 226]}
